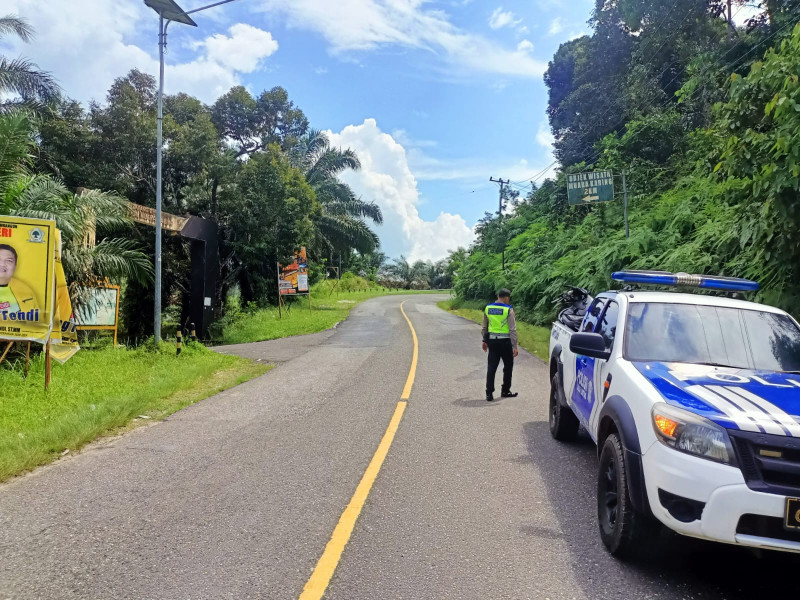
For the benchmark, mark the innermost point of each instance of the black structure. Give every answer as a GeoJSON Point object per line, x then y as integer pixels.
{"type": "Point", "coordinates": [205, 263]}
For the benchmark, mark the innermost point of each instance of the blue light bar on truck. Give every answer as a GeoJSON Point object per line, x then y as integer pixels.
{"type": "Point", "coordinates": [728, 284]}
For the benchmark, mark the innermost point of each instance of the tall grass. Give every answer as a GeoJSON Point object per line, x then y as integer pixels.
{"type": "Point", "coordinates": [533, 338]}
{"type": "Point", "coordinates": [330, 304]}
{"type": "Point", "coordinates": [100, 390]}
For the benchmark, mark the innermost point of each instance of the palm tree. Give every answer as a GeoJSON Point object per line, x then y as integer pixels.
{"type": "Point", "coordinates": [341, 225]}
{"type": "Point", "coordinates": [409, 275]}
{"type": "Point", "coordinates": [79, 216]}
{"type": "Point", "coordinates": [21, 83]}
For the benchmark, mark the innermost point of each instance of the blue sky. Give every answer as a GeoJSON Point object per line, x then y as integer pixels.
{"type": "Point", "coordinates": [435, 97]}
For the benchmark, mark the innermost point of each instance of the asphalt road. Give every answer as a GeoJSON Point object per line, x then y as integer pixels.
{"type": "Point", "coordinates": [237, 496]}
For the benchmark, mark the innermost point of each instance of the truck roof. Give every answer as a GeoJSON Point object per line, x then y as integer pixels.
{"type": "Point", "coordinates": [697, 299]}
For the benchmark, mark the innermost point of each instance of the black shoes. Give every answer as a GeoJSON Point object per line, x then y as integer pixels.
{"type": "Point", "coordinates": [490, 397]}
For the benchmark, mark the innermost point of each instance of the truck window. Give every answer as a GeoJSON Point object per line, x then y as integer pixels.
{"type": "Point", "coordinates": [734, 337]}
{"type": "Point", "coordinates": [592, 315]}
{"type": "Point", "coordinates": [607, 326]}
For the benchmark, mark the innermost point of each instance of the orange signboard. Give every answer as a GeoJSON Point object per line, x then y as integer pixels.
{"type": "Point", "coordinates": [293, 278]}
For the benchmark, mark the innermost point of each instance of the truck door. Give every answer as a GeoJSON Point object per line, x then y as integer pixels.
{"type": "Point", "coordinates": [582, 395]}
{"type": "Point", "coordinates": [607, 327]}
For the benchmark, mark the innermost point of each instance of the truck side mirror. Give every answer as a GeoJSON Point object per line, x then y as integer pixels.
{"type": "Point", "coordinates": [589, 344]}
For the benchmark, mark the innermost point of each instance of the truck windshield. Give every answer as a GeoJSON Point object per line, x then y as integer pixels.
{"type": "Point", "coordinates": [748, 339]}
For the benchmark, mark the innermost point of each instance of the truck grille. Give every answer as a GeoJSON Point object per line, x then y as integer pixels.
{"type": "Point", "coordinates": [769, 463]}
{"type": "Point", "coordinates": [768, 527]}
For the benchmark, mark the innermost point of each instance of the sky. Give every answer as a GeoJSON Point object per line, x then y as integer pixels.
{"type": "Point", "coordinates": [435, 97]}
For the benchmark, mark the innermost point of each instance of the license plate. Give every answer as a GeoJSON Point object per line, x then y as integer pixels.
{"type": "Point", "coordinates": [792, 520]}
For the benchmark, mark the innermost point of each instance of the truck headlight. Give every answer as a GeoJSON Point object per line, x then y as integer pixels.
{"type": "Point", "coordinates": [691, 433]}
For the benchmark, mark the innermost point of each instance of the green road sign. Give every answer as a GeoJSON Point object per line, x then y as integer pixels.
{"type": "Point", "coordinates": [591, 187]}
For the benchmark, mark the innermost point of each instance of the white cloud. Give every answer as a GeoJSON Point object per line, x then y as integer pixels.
{"type": "Point", "coordinates": [501, 18]}
{"type": "Point", "coordinates": [89, 45]}
{"type": "Point", "coordinates": [525, 46]}
{"type": "Point", "coordinates": [361, 25]}
{"type": "Point", "coordinates": [243, 51]}
{"type": "Point", "coordinates": [545, 136]}
{"type": "Point", "coordinates": [402, 138]}
{"type": "Point", "coordinates": [556, 26]}
{"type": "Point", "coordinates": [386, 178]}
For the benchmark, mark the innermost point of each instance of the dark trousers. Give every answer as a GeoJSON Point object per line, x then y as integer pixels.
{"type": "Point", "coordinates": [500, 349]}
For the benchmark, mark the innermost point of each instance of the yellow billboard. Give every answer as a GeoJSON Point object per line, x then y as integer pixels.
{"type": "Point", "coordinates": [27, 278]}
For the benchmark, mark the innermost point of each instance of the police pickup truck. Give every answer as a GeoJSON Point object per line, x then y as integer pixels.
{"type": "Point", "coordinates": [693, 401]}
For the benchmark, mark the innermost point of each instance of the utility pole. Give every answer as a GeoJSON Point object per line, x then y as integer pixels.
{"type": "Point", "coordinates": [500, 211]}
{"type": "Point", "coordinates": [625, 194]}
{"type": "Point", "coordinates": [731, 26]}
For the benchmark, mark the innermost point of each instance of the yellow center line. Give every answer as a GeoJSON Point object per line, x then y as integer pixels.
{"type": "Point", "coordinates": [326, 566]}
{"type": "Point", "coordinates": [412, 372]}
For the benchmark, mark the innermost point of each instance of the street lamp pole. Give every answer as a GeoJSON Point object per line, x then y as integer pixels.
{"type": "Point", "coordinates": [162, 42]}
{"type": "Point", "coordinates": [168, 11]}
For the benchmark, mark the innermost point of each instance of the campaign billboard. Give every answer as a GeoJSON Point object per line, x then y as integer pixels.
{"type": "Point", "coordinates": [27, 278]}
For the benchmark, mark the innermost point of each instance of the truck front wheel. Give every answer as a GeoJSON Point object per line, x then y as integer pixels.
{"type": "Point", "coordinates": [624, 531]}
{"type": "Point", "coordinates": [563, 422]}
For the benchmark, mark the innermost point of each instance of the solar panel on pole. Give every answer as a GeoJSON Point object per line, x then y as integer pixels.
{"type": "Point", "coordinates": [170, 11]}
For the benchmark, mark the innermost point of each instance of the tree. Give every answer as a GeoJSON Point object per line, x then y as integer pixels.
{"type": "Point", "coordinates": [78, 216]}
{"type": "Point", "coordinates": [407, 274]}
{"type": "Point", "coordinates": [22, 84]}
{"type": "Point", "coordinates": [268, 214]}
{"type": "Point", "coordinates": [340, 225]}
{"type": "Point", "coordinates": [366, 265]}
{"type": "Point", "coordinates": [252, 124]}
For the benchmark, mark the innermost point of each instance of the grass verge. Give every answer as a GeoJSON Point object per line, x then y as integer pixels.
{"type": "Point", "coordinates": [327, 310]}
{"type": "Point", "coordinates": [533, 338]}
{"type": "Point", "coordinates": [104, 392]}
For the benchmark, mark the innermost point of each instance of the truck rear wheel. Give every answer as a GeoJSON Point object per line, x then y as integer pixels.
{"type": "Point", "coordinates": [563, 422]}
{"type": "Point", "coordinates": [624, 531]}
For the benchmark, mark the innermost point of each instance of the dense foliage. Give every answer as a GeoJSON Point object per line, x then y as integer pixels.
{"type": "Point", "coordinates": [249, 164]}
{"type": "Point", "coordinates": [703, 117]}
{"type": "Point", "coordinates": [101, 217]}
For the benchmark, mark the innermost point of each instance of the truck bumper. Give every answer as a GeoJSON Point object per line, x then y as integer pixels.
{"type": "Point", "coordinates": [718, 498]}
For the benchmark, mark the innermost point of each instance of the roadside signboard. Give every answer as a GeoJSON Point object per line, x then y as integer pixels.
{"type": "Point", "coordinates": [293, 278]}
{"type": "Point", "coordinates": [101, 309]}
{"type": "Point", "coordinates": [590, 188]}
{"type": "Point", "coordinates": [27, 279]}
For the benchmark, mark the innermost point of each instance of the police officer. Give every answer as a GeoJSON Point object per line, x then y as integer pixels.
{"type": "Point", "coordinates": [500, 340]}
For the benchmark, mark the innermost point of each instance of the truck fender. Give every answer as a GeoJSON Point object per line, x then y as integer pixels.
{"type": "Point", "coordinates": [556, 366]}
{"type": "Point", "coordinates": [616, 414]}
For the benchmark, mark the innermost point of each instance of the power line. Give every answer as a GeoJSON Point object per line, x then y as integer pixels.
{"type": "Point", "coordinates": [666, 39]}
{"type": "Point", "coordinates": [539, 175]}
{"type": "Point", "coordinates": [731, 49]}
{"type": "Point", "coordinates": [726, 67]}
{"type": "Point", "coordinates": [669, 99]}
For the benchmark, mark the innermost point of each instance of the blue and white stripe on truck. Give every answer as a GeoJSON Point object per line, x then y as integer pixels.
{"type": "Point", "coordinates": [756, 401]}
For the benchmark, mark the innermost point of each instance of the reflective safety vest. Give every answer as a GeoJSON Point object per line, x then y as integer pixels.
{"type": "Point", "coordinates": [497, 315]}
